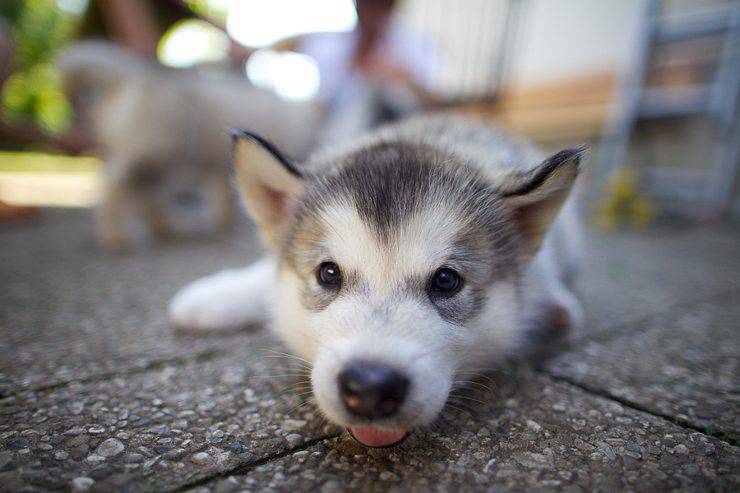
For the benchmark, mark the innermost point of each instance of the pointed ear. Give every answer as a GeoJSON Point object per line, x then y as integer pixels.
{"type": "Point", "coordinates": [268, 183]}
{"type": "Point", "coordinates": [537, 196]}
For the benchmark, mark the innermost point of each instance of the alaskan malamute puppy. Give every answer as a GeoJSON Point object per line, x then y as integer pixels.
{"type": "Point", "coordinates": [160, 132]}
{"type": "Point", "coordinates": [429, 248]}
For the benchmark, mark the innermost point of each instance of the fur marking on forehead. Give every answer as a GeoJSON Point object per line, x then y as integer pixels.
{"type": "Point", "coordinates": [404, 205]}
{"type": "Point", "coordinates": [389, 183]}
{"type": "Point", "coordinates": [422, 243]}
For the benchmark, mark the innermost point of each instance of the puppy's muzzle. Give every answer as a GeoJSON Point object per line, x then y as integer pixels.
{"type": "Point", "coordinates": [372, 390]}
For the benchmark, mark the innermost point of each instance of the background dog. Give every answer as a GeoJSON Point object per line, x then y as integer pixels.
{"type": "Point", "coordinates": [163, 135]}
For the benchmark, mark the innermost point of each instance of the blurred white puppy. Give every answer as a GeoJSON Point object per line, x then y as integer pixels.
{"type": "Point", "coordinates": [163, 134]}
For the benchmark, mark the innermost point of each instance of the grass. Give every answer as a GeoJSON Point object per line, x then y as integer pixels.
{"type": "Point", "coordinates": [37, 162]}
{"type": "Point", "coordinates": [39, 179]}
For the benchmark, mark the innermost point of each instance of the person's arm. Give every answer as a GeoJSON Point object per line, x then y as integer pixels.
{"type": "Point", "coordinates": [388, 70]}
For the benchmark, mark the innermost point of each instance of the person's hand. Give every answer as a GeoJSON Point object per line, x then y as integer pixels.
{"type": "Point", "coordinates": [239, 53]}
{"type": "Point", "coordinates": [376, 67]}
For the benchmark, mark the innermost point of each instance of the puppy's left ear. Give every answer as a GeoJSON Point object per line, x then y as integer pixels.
{"type": "Point", "coordinates": [268, 183]}
{"type": "Point", "coordinates": [535, 197]}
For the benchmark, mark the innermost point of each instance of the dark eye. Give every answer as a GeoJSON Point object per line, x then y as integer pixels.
{"type": "Point", "coordinates": [329, 275]}
{"type": "Point", "coordinates": [446, 281]}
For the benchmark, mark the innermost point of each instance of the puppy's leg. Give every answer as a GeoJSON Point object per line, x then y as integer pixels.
{"type": "Point", "coordinates": [224, 202]}
{"type": "Point", "coordinates": [109, 218]}
{"type": "Point", "coordinates": [155, 215]}
{"type": "Point", "coordinates": [563, 312]}
{"type": "Point", "coordinates": [229, 299]}
{"type": "Point", "coordinates": [557, 308]}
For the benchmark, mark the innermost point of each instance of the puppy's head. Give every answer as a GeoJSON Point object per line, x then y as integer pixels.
{"type": "Point", "coordinates": [398, 269]}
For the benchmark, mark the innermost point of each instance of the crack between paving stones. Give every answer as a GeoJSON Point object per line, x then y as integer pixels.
{"type": "Point", "coordinates": [202, 356]}
{"type": "Point", "coordinates": [718, 434]}
{"type": "Point", "coordinates": [603, 336]}
{"type": "Point", "coordinates": [245, 468]}
{"type": "Point", "coordinates": [635, 326]}
{"type": "Point", "coordinates": [632, 328]}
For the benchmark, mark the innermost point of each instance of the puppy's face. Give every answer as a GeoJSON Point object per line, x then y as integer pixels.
{"type": "Point", "coordinates": [397, 271]}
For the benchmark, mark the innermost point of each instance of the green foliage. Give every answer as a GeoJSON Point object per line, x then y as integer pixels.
{"type": "Point", "coordinates": [10, 9]}
{"type": "Point", "coordinates": [33, 91]}
{"type": "Point", "coordinates": [215, 11]}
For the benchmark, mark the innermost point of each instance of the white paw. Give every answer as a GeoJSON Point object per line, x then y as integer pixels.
{"type": "Point", "coordinates": [567, 300]}
{"type": "Point", "coordinates": [226, 300]}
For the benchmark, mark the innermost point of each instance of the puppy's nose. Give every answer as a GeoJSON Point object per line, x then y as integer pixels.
{"type": "Point", "coordinates": [372, 390]}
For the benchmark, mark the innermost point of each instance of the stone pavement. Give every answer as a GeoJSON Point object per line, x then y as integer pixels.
{"type": "Point", "coordinates": [98, 393]}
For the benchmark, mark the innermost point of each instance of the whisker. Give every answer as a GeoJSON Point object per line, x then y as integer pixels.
{"type": "Point", "coordinates": [472, 382]}
{"type": "Point", "coordinates": [477, 401]}
{"type": "Point", "coordinates": [481, 376]}
{"type": "Point", "coordinates": [287, 355]}
{"type": "Point", "coordinates": [293, 389]}
{"type": "Point", "coordinates": [286, 375]}
{"type": "Point", "coordinates": [301, 405]}
{"type": "Point", "coordinates": [294, 362]}
{"type": "Point", "coordinates": [460, 409]}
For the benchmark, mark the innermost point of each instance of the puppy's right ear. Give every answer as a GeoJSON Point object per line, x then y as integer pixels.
{"type": "Point", "coordinates": [535, 197]}
{"type": "Point", "coordinates": [268, 183]}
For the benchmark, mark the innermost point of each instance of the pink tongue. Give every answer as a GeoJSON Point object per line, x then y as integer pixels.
{"type": "Point", "coordinates": [372, 436]}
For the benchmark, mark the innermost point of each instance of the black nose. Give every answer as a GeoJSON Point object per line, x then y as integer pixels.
{"type": "Point", "coordinates": [187, 198]}
{"type": "Point", "coordinates": [372, 390]}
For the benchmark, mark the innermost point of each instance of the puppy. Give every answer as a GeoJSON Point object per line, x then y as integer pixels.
{"type": "Point", "coordinates": [162, 135]}
{"type": "Point", "coordinates": [426, 249]}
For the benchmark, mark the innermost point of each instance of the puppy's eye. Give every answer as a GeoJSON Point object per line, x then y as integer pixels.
{"type": "Point", "coordinates": [446, 281]}
{"type": "Point", "coordinates": [329, 275]}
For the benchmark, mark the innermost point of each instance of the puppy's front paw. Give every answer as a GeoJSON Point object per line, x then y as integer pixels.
{"type": "Point", "coordinates": [563, 315]}
{"type": "Point", "coordinates": [218, 302]}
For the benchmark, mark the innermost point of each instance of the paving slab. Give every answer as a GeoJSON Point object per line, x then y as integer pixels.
{"type": "Point", "coordinates": [70, 311]}
{"type": "Point", "coordinates": [629, 276]}
{"type": "Point", "coordinates": [684, 364]}
{"type": "Point", "coordinates": [96, 391]}
{"type": "Point", "coordinates": [158, 428]}
{"type": "Point", "coordinates": [536, 435]}
{"type": "Point", "coordinates": [218, 425]}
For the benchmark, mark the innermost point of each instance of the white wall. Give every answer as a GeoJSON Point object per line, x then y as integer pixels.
{"type": "Point", "coordinates": [566, 39]}
{"type": "Point", "coordinates": [557, 39]}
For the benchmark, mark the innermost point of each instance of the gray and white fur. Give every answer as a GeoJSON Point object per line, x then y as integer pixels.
{"type": "Point", "coordinates": [390, 211]}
